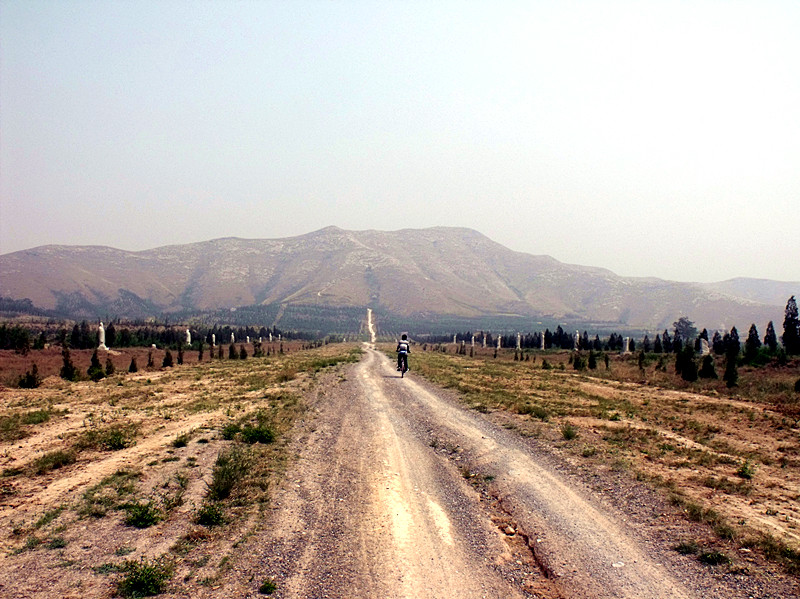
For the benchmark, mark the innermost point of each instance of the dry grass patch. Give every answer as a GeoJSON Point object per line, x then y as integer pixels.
{"type": "Point", "coordinates": [130, 463]}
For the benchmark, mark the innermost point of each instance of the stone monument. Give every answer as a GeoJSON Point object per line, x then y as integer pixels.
{"type": "Point", "coordinates": [101, 336]}
{"type": "Point", "coordinates": [188, 337]}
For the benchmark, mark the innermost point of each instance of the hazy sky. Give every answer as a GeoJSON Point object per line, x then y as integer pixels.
{"type": "Point", "coordinates": [653, 138]}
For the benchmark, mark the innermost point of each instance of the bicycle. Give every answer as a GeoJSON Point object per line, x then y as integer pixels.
{"type": "Point", "coordinates": [403, 363]}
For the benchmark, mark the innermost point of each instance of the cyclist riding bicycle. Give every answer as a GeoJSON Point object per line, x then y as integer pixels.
{"type": "Point", "coordinates": [403, 349]}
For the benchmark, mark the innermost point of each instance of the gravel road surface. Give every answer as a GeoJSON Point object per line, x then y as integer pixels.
{"type": "Point", "coordinates": [398, 492]}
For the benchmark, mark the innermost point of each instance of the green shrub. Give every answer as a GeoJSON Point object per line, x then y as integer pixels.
{"type": "Point", "coordinates": [36, 417]}
{"type": "Point", "coordinates": [144, 578]}
{"type": "Point", "coordinates": [31, 543]}
{"type": "Point", "coordinates": [181, 440]}
{"type": "Point", "coordinates": [535, 411]}
{"type": "Point", "coordinates": [268, 587]}
{"type": "Point", "coordinates": [68, 370]}
{"type": "Point", "coordinates": [229, 469]}
{"type": "Point", "coordinates": [230, 430]}
{"type": "Point", "coordinates": [257, 434]}
{"type": "Point", "coordinates": [714, 558]}
{"type": "Point", "coordinates": [96, 370]}
{"type": "Point", "coordinates": [210, 514]}
{"type": "Point", "coordinates": [112, 438]}
{"type": "Point", "coordinates": [53, 461]}
{"type": "Point", "coordinates": [142, 515]}
{"type": "Point", "coordinates": [31, 379]}
{"type": "Point", "coordinates": [57, 543]}
{"type": "Point", "coordinates": [569, 432]}
{"type": "Point", "coordinates": [687, 548]}
{"type": "Point", "coordinates": [746, 470]}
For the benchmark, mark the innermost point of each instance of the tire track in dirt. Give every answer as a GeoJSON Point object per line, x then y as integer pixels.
{"type": "Point", "coordinates": [369, 510]}
{"type": "Point", "coordinates": [589, 550]}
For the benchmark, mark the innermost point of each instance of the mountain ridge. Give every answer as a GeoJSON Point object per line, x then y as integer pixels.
{"type": "Point", "coordinates": [408, 273]}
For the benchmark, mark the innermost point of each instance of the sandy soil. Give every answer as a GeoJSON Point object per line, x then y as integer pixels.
{"type": "Point", "coordinates": [394, 490]}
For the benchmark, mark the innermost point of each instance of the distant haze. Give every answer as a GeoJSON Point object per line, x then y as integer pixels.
{"type": "Point", "coordinates": [657, 138]}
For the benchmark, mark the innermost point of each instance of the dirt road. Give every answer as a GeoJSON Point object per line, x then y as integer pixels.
{"type": "Point", "coordinates": [389, 499]}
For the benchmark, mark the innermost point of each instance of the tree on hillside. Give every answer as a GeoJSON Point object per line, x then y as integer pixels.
{"type": "Point", "coordinates": [732, 348]}
{"type": "Point", "coordinates": [111, 335]}
{"type": "Point", "coordinates": [685, 329]}
{"type": "Point", "coordinates": [751, 344]}
{"type": "Point", "coordinates": [96, 370]}
{"type": "Point", "coordinates": [666, 342]}
{"type": "Point", "coordinates": [68, 370]}
{"type": "Point", "coordinates": [718, 343]}
{"type": "Point", "coordinates": [708, 370]}
{"type": "Point", "coordinates": [791, 328]}
{"type": "Point", "coordinates": [85, 337]}
{"type": "Point", "coordinates": [770, 338]}
{"type": "Point", "coordinates": [41, 341]}
{"type": "Point", "coordinates": [75, 337]}
{"type": "Point", "coordinates": [657, 347]}
{"type": "Point", "coordinates": [685, 364]}
{"type": "Point", "coordinates": [31, 379]}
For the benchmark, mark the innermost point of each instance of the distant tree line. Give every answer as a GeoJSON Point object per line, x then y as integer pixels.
{"type": "Point", "coordinates": [22, 339]}
{"type": "Point", "coordinates": [684, 335]}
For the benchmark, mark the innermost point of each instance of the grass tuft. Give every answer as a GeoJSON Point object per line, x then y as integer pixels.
{"type": "Point", "coordinates": [230, 467]}
{"type": "Point", "coordinates": [687, 548]}
{"type": "Point", "coordinates": [568, 431]}
{"type": "Point", "coordinates": [53, 461]}
{"type": "Point", "coordinates": [714, 558]}
{"type": "Point", "coordinates": [145, 578]}
{"type": "Point", "coordinates": [268, 587]}
{"type": "Point", "coordinates": [142, 515]}
{"type": "Point", "coordinates": [210, 514]}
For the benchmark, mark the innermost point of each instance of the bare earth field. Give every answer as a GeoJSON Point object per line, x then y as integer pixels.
{"type": "Point", "coordinates": [300, 475]}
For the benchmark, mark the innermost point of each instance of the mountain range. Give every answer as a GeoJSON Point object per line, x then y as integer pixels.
{"type": "Point", "coordinates": [407, 277]}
